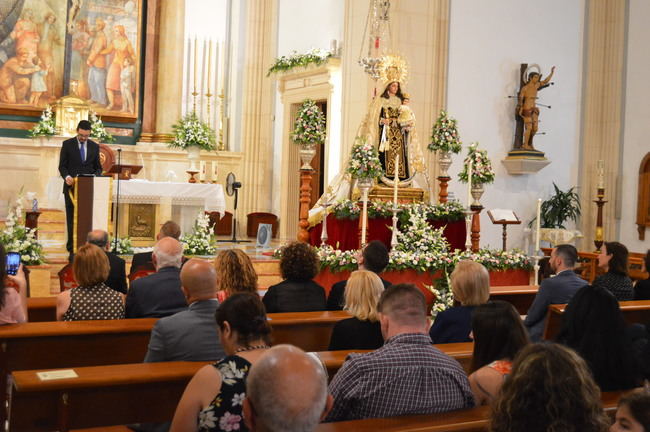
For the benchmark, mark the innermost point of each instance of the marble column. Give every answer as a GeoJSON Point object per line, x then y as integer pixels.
{"type": "Point", "coordinates": [602, 114]}
{"type": "Point", "coordinates": [169, 70]}
{"type": "Point", "coordinates": [257, 114]}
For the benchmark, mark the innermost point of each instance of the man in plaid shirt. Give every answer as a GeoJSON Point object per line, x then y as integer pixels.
{"type": "Point", "coordinates": [407, 375]}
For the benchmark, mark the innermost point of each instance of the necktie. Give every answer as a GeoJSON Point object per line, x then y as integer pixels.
{"type": "Point", "coordinates": [82, 151]}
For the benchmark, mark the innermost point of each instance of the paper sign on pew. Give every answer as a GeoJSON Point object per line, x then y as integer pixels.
{"type": "Point", "coordinates": [57, 374]}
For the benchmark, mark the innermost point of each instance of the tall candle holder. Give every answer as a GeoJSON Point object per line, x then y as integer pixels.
{"type": "Point", "coordinates": [393, 240]}
{"type": "Point", "coordinates": [468, 212]}
{"type": "Point", "coordinates": [323, 234]}
{"type": "Point", "coordinates": [221, 146]}
{"type": "Point", "coordinates": [600, 202]}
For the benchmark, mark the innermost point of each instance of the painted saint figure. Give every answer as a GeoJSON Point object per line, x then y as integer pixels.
{"type": "Point", "coordinates": [527, 106]}
{"type": "Point", "coordinates": [96, 62]}
{"type": "Point", "coordinates": [15, 77]}
{"type": "Point", "coordinates": [121, 49]}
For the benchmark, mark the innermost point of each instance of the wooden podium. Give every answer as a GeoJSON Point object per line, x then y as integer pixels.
{"type": "Point", "coordinates": [92, 206]}
{"type": "Point", "coordinates": [124, 171]}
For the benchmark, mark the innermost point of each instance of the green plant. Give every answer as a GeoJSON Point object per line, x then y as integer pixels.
{"type": "Point", "coordinates": [364, 160]}
{"type": "Point", "coordinates": [45, 126]}
{"type": "Point", "coordinates": [444, 135]}
{"type": "Point", "coordinates": [192, 132]}
{"type": "Point", "coordinates": [294, 60]}
{"type": "Point", "coordinates": [559, 208]}
{"type": "Point", "coordinates": [482, 171]}
{"type": "Point", "coordinates": [98, 131]}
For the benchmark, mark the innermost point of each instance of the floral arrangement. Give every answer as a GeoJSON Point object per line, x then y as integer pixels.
{"type": "Point", "coordinates": [450, 211]}
{"type": "Point", "coordinates": [444, 296]}
{"type": "Point", "coordinates": [309, 126]}
{"type": "Point", "coordinates": [122, 246]}
{"type": "Point", "coordinates": [482, 171]}
{"type": "Point", "coordinates": [294, 60]}
{"type": "Point", "coordinates": [417, 236]}
{"type": "Point", "coordinates": [364, 160]}
{"type": "Point", "coordinates": [444, 135]}
{"type": "Point", "coordinates": [200, 242]}
{"type": "Point", "coordinates": [192, 132]}
{"type": "Point", "coordinates": [45, 126]}
{"type": "Point", "coordinates": [18, 238]}
{"type": "Point", "coordinates": [497, 259]}
{"type": "Point", "coordinates": [335, 259]}
{"type": "Point", "coordinates": [98, 131]}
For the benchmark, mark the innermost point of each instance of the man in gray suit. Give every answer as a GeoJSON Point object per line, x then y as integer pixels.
{"type": "Point", "coordinates": [555, 290]}
{"type": "Point", "coordinates": [190, 335]}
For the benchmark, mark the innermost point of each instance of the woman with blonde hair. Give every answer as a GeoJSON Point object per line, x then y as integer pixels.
{"type": "Point", "coordinates": [92, 299]}
{"type": "Point", "coordinates": [550, 389]}
{"type": "Point", "coordinates": [470, 284]}
{"type": "Point", "coordinates": [362, 331]}
{"type": "Point", "coordinates": [235, 273]}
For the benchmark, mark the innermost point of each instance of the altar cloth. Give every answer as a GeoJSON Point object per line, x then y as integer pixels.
{"type": "Point", "coordinates": [207, 195]}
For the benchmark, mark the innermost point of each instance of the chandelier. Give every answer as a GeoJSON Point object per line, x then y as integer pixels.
{"type": "Point", "coordinates": [378, 36]}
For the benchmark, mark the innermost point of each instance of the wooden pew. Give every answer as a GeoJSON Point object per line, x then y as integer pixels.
{"type": "Point", "coordinates": [41, 309]}
{"type": "Point", "coordinates": [469, 420]}
{"type": "Point", "coordinates": [333, 360]}
{"type": "Point", "coordinates": [520, 296]}
{"type": "Point", "coordinates": [99, 396]}
{"type": "Point", "coordinates": [634, 312]}
{"type": "Point", "coordinates": [310, 331]}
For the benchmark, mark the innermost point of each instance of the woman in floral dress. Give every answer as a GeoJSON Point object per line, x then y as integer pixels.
{"type": "Point", "coordinates": [212, 401]}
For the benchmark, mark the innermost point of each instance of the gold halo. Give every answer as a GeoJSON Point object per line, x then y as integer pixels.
{"type": "Point", "coordinates": [393, 68]}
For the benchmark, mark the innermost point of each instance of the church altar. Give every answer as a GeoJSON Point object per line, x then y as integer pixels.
{"type": "Point", "coordinates": [148, 204]}
{"type": "Point", "coordinates": [343, 234]}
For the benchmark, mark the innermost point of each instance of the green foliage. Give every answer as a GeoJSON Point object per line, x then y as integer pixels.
{"type": "Point", "coordinates": [482, 171]}
{"type": "Point", "coordinates": [123, 246]}
{"type": "Point", "coordinates": [45, 126]}
{"type": "Point", "coordinates": [98, 131]}
{"type": "Point", "coordinates": [309, 126]}
{"type": "Point", "coordinates": [560, 208]}
{"type": "Point", "coordinates": [295, 60]}
{"type": "Point", "coordinates": [364, 160]}
{"type": "Point", "coordinates": [18, 238]}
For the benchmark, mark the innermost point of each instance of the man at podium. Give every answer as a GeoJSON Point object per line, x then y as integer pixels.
{"type": "Point", "coordinates": [79, 155]}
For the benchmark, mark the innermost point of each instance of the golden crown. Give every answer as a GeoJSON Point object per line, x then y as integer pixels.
{"type": "Point", "coordinates": [393, 68]}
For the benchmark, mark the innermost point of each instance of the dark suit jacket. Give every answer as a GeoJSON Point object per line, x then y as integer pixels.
{"type": "Point", "coordinates": [294, 296]}
{"type": "Point", "coordinates": [336, 299]}
{"type": "Point", "coordinates": [157, 295]}
{"type": "Point", "coordinates": [353, 333]}
{"type": "Point", "coordinates": [117, 275]}
{"type": "Point", "coordinates": [452, 325]}
{"type": "Point", "coordinates": [642, 290]}
{"type": "Point", "coordinates": [555, 290]}
{"type": "Point", "coordinates": [189, 335]}
{"type": "Point", "coordinates": [70, 163]}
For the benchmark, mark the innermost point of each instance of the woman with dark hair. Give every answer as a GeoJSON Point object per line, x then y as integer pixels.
{"type": "Point", "coordinates": [298, 292]}
{"type": "Point", "coordinates": [633, 413]}
{"type": "Point", "coordinates": [235, 273]}
{"type": "Point", "coordinates": [498, 335]}
{"type": "Point", "coordinates": [593, 325]}
{"type": "Point", "coordinates": [13, 299]}
{"type": "Point", "coordinates": [212, 400]}
{"type": "Point", "coordinates": [550, 389]}
{"type": "Point", "coordinates": [642, 287]}
{"type": "Point", "coordinates": [613, 259]}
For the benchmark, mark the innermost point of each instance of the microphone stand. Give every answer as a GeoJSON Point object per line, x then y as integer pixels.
{"type": "Point", "coordinates": [117, 205]}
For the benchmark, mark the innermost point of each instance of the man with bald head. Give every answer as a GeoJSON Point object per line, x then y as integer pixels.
{"type": "Point", "coordinates": [117, 272]}
{"type": "Point", "coordinates": [286, 391]}
{"type": "Point", "coordinates": [159, 295]}
{"type": "Point", "coordinates": [408, 375]}
{"type": "Point", "coordinates": [190, 335]}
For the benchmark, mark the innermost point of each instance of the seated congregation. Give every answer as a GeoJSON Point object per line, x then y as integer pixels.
{"type": "Point", "coordinates": [212, 312]}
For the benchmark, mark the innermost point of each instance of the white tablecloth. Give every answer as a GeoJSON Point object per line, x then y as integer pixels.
{"type": "Point", "coordinates": [209, 196]}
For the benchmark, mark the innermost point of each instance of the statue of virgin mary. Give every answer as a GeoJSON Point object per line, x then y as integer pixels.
{"type": "Point", "coordinates": [390, 125]}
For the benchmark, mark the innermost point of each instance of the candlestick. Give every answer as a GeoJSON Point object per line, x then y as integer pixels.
{"type": "Point", "coordinates": [209, 65]}
{"type": "Point", "coordinates": [396, 180]}
{"type": "Point", "coordinates": [214, 172]}
{"type": "Point", "coordinates": [195, 57]}
{"type": "Point", "coordinates": [601, 174]}
{"type": "Point", "coordinates": [469, 183]}
{"type": "Point", "coordinates": [538, 225]}
{"type": "Point", "coordinates": [202, 171]}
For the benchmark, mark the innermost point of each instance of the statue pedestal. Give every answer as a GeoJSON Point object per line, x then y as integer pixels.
{"type": "Point", "coordinates": [522, 161]}
{"type": "Point", "coordinates": [404, 195]}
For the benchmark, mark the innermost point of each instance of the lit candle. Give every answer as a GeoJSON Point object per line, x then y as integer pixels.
{"type": "Point", "coordinates": [195, 57]}
{"type": "Point", "coordinates": [469, 183]}
{"type": "Point", "coordinates": [601, 174]}
{"type": "Point", "coordinates": [538, 224]}
{"type": "Point", "coordinates": [203, 58]}
{"type": "Point", "coordinates": [396, 181]}
{"type": "Point", "coordinates": [202, 171]}
{"type": "Point", "coordinates": [209, 65]}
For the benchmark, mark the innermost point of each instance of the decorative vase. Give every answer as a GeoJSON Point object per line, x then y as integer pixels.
{"type": "Point", "coordinates": [444, 162]}
{"type": "Point", "coordinates": [193, 154]}
{"type": "Point", "coordinates": [477, 193]}
{"type": "Point", "coordinates": [307, 153]}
